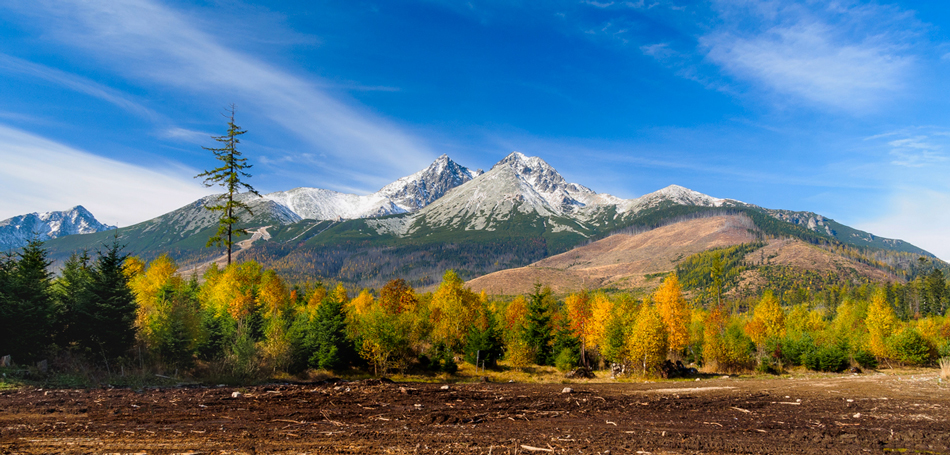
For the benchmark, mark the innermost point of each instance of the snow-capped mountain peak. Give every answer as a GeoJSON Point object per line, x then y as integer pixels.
{"type": "Point", "coordinates": [406, 194]}
{"type": "Point", "coordinates": [418, 190]}
{"type": "Point", "coordinates": [561, 195]}
{"type": "Point", "coordinates": [676, 194]}
{"type": "Point", "coordinates": [17, 231]}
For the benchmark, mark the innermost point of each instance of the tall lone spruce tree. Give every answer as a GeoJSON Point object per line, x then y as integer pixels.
{"type": "Point", "coordinates": [228, 176]}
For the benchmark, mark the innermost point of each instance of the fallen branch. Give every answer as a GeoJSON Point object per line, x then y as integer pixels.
{"type": "Point", "coordinates": [742, 410]}
{"type": "Point", "coordinates": [288, 421]}
{"type": "Point", "coordinates": [535, 449]}
{"type": "Point", "coordinates": [337, 423]}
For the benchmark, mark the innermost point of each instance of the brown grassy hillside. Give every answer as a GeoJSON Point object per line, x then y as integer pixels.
{"type": "Point", "coordinates": [622, 260]}
{"type": "Point", "coordinates": [625, 261]}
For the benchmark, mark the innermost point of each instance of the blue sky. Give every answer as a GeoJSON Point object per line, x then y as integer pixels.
{"type": "Point", "coordinates": [841, 108]}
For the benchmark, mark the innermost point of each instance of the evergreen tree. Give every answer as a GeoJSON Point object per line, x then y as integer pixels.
{"type": "Point", "coordinates": [483, 342]}
{"type": "Point", "coordinates": [327, 342]}
{"type": "Point", "coordinates": [935, 286]}
{"type": "Point", "coordinates": [27, 307]}
{"type": "Point", "coordinates": [179, 323]}
{"type": "Point", "coordinates": [72, 291]}
{"type": "Point", "coordinates": [112, 308]}
{"type": "Point", "coordinates": [228, 176]}
{"type": "Point", "coordinates": [537, 328]}
{"type": "Point", "coordinates": [6, 271]}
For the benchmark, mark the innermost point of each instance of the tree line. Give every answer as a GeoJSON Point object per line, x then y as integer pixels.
{"type": "Point", "coordinates": [244, 322]}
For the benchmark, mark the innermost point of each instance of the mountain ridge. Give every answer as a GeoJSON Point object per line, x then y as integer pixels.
{"type": "Point", "coordinates": [17, 231]}
{"type": "Point", "coordinates": [447, 216]}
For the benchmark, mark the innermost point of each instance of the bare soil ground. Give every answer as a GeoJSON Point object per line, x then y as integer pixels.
{"type": "Point", "coordinates": [836, 414]}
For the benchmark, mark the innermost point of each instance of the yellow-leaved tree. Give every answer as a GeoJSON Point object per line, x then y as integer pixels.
{"type": "Point", "coordinates": [881, 323]}
{"type": "Point", "coordinates": [647, 343]}
{"type": "Point", "coordinates": [674, 311]}
{"type": "Point", "coordinates": [601, 311]}
{"type": "Point", "coordinates": [146, 285]}
{"type": "Point", "coordinates": [453, 309]}
{"type": "Point", "coordinates": [768, 320]}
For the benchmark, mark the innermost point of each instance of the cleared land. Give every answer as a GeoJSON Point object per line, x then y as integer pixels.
{"type": "Point", "coordinates": [627, 261]}
{"type": "Point", "coordinates": [838, 414]}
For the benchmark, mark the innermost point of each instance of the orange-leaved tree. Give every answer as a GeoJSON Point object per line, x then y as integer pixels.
{"type": "Point", "coordinates": [578, 306]}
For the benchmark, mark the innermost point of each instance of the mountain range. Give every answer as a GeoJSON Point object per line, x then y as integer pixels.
{"type": "Point", "coordinates": [448, 216]}
{"type": "Point", "coordinates": [18, 231]}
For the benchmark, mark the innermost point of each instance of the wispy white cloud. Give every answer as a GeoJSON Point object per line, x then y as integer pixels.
{"type": "Point", "coordinates": [150, 42]}
{"type": "Point", "coordinates": [186, 135]}
{"type": "Point", "coordinates": [16, 65]}
{"type": "Point", "coordinates": [844, 57]}
{"type": "Point", "coordinates": [916, 152]}
{"type": "Point", "coordinates": [915, 147]}
{"type": "Point", "coordinates": [46, 175]}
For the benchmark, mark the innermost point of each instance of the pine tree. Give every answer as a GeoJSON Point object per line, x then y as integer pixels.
{"type": "Point", "coordinates": [72, 290]}
{"type": "Point", "coordinates": [27, 308]}
{"type": "Point", "coordinates": [327, 342]}
{"type": "Point", "coordinates": [113, 308]}
{"type": "Point", "coordinates": [537, 329]}
{"type": "Point", "coordinates": [228, 176]}
{"type": "Point", "coordinates": [483, 344]}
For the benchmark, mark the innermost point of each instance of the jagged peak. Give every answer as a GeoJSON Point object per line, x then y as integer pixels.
{"type": "Point", "coordinates": [521, 162]}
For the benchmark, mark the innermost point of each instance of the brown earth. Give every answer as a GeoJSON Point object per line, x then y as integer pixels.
{"type": "Point", "coordinates": [837, 414]}
{"type": "Point", "coordinates": [621, 260]}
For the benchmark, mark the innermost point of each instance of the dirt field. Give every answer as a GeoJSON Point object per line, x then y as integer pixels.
{"type": "Point", "coordinates": [846, 414]}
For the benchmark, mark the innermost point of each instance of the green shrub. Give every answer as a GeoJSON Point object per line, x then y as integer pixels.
{"type": "Point", "coordinates": [943, 350]}
{"type": "Point", "coordinates": [794, 349]}
{"type": "Point", "coordinates": [768, 365]}
{"type": "Point", "coordinates": [865, 359]}
{"type": "Point", "coordinates": [909, 347]}
{"type": "Point", "coordinates": [566, 360]}
{"type": "Point", "coordinates": [826, 358]}
{"type": "Point", "coordinates": [736, 349]}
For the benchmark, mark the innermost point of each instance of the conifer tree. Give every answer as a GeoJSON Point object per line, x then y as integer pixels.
{"type": "Point", "coordinates": [328, 345]}
{"type": "Point", "coordinates": [72, 289]}
{"type": "Point", "coordinates": [228, 176]}
{"type": "Point", "coordinates": [483, 343]}
{"type": "Point", "coordinates": [112, 309]}
{"type": "Point", "coordinates": [537, 329]}
{"type": "Point", "coordinates": [27, 308]}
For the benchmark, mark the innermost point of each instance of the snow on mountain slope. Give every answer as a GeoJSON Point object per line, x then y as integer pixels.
{"type": "Point", "coordinates": [516, 184]}
{"type": "Point", "coordinates": [543, 180]}
{"type": "Point", "coordinates": [407, 194]}
{"type": "Point", "coordinates": [321, 204]}
{"type": "Point", "coordinates": [17, 231]}
{"type": "Point", "coordinates": [676, 194]}
{"type": "Point", "coordinates": [418, 190]}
